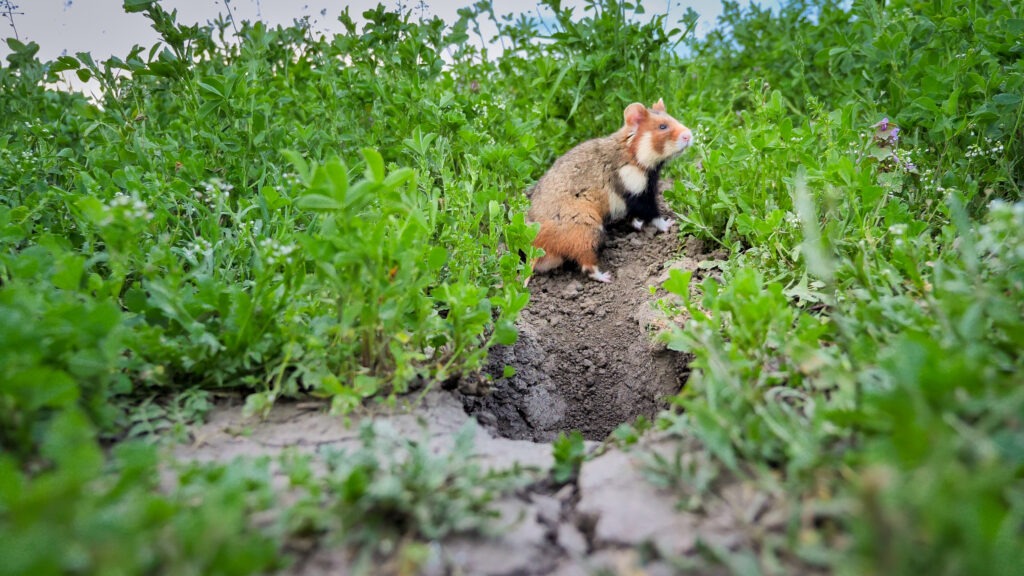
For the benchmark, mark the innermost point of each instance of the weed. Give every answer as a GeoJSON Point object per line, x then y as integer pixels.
{"type": "Point", "coordinates": [569, 452]}
{"type": "Point", "coordinates": [858, 337]}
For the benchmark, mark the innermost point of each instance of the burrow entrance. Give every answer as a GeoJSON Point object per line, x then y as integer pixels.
{"type": "Point", "coordinates": [585, 359]}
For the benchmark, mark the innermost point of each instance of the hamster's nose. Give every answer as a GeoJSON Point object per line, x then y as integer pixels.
{"type": "Point", "coordinates": [685, 137]}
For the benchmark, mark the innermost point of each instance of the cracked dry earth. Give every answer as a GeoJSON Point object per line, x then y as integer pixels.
{"type": "Point", "coordinates": [585, 360]}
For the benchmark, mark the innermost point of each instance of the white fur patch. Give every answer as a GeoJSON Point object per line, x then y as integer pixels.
{"type": "Point", "coordinates": [633, 179]}
{"type": "Point", "coordinates": [661, 224]}
{"type": "Point", "coordinates": [645, 152]}
{"type": "Point", "coordinates": [638, 223]}
{"type": "Point", "coordinates": [616, 206]}
{"type": "Point", "coordinates": [547, 262]}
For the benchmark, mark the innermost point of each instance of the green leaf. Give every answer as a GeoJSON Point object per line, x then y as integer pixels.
{"type": "Point", "coordinates": [374, 165]}
{"type": "Point", "coordinates": [337, 175]}
{"type": "Point", "coordinates": [366, 385]}
{"type": "Point", "coordinates": [505, 333]}
{"type": "Point", "coordinates": [93, 210]}
{"type": "Point", "coordinates": [318, 203]}
{"type": "Point", "coordinates": [1007, 99]}
{"type": "Point", "coordinates": [568, 451]}
{"type": "Point", "coordinates": [68, 271]}
{"type": "Point", "coordinates": [134, 6]}
{"type": "Point", "coordinates": [360, 195]}
{"type": "Point", "coordinates": [494, 211]}
{"type": "Point", "coordinates": [436, 258]}
{"type": "Point", "coordinates": [210, 89]}
{"type": "Point", "coordinates": [399, 177]}
{"type": "Point", "coordinates": [678, 283]}
{"type": "Point", "coordinates": [41, 387]}
{"type": "Point", "coordinates": [65, 63]}
{"type": "Point", "coordinates": [70, 441]}
{"type": "Point", "coordinates": [86, 58]}
{"type": "Point", "coordinates": [135, 300]}
{"type": "Point", "coordinates": [300, 164]}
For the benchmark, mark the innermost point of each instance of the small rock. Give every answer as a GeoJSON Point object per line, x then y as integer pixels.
{"type": "Point", "coordinates": [624, 562]}
{"type": "Point", "coordinates": [544, 409]}
{"type": "Point", "coordinates": [486, 418]}
{"type": "Point", "coordinates": [518, 549]}
{"type": "Point", "coordinates": [571, 539]}
{"type": "Point", "coordinates": [571, 568]}
{"type": "Point", "coordinates": [549, 508]}
{"type": "Point", "coordinates": [629, 511]}
{"type": "Point", "coordinates": [572, 290]}
{"type": "Point", "coordinates": [683, 264]}
{"type": "Point", "coordinates": [693, 246]}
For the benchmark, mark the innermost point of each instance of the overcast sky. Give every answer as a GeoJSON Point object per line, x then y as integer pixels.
{"type": "Point", "coordinates": [102, 28]}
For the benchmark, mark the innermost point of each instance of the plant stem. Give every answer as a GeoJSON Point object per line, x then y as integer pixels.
{"type": "Point", "coordinates": [9, 10]}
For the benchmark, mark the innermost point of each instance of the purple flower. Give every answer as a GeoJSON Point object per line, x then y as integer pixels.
{"type": "Point", "coordinates": [884, 124]}
{"type": "Point", "coordinates": [895, 134]}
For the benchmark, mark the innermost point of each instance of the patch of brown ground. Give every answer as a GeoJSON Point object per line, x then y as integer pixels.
{"type": "Point", "coordinates": [586, 359]}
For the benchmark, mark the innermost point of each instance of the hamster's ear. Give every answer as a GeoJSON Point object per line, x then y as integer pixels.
{"type": "Point", "coordinates": [634, 114]}
{"type": "Point", "coordinates": [659, 106]}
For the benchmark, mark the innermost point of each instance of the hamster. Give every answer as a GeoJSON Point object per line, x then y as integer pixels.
{"type": "Point", "coordinates": [601, 181]}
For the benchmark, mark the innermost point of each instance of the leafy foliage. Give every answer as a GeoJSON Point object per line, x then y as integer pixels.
{"type": "Point", "coordinates": [113, 518]}
{"type": "Point", "coordinates": [282, 214]}
{"type": "Point", "coordinates": [864, 341]}
{"type": "Point", "coordinates": [216, 257]}
{"type": "Point", "coordinates": [394, 488]}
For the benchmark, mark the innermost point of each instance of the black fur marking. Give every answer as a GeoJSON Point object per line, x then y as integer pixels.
{"type": "Point", "coordinates": [645, 206]}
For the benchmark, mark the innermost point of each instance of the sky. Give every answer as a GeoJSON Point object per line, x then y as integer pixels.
{"type": "Point", "coordinates": [102, 28]}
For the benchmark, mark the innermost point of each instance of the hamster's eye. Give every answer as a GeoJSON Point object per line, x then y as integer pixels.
{"type": "Point", "coordinates": [663, 127]}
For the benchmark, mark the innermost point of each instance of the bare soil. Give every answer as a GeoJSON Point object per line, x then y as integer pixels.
{"type": "Point", "coordinates": [586, 358]}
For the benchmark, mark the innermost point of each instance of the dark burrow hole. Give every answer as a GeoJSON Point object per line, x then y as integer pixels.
{"type": "Point", "coordinates": [585, 361]}
{"type": "Point", "coordinates": [586, 358]}
{"type": "Point", "coordinates": [558, 392]}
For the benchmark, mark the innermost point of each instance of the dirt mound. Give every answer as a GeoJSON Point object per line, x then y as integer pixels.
{"type": "Point", "coordinates": [585, 359]}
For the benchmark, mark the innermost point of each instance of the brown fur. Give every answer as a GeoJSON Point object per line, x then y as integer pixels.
{"type": "Point", "coordinates": [583, 190]}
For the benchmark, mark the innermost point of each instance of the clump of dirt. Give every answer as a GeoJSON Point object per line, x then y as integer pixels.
{"type": "Point", "coordinates": [585, 359]}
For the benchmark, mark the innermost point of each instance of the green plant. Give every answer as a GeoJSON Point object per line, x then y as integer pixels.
{"type": "Point", "coordinates": [628, 434]}
{"type": "Point", "coordinates": [393, 488]}
{"type": "Point", "coordinates": [58, 349]}
{"type": "Point", "coordinates": [857, 329]}
{"type": "Point", "coordinates": [113, 517]}
{"type": "Point", "coordinates": [569, 452]}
